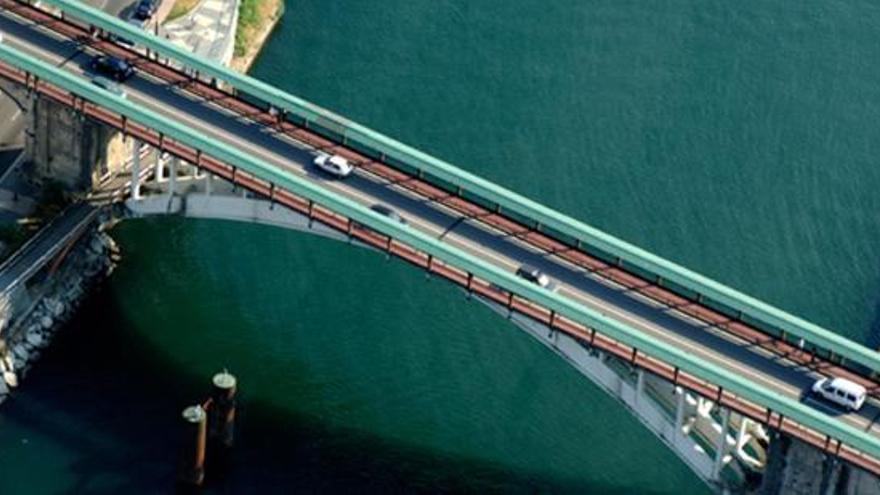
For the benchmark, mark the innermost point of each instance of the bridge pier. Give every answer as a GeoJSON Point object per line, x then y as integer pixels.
{"type": "Point", "coordinates": [172, 174]}
{"type": "Point", "coordinates": [640, 384]}
{"type": "Point", "coordinates": [679, 411]}
{"type": "Point", "coordinates": [136, 170]}
{"type": "Point", "coordinates": [158, 169]}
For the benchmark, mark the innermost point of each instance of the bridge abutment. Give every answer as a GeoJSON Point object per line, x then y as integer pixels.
{"type": "Point", "coordinates": [72, 150]}
{"type": "Point", "coordinates": [63, 146]}
{"type": "Point", "coordinates": [797, 468]}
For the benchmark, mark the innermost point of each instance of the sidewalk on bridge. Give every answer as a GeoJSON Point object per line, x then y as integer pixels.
{"type": "Point", "coordinates": [208, 30]}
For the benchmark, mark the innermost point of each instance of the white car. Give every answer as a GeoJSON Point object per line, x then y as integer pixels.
{"type": "Point", "coordinates": [335, 165]}
{"type": "Point", "coordinates": [841, 391]}
{"type": "Point", "coordinates": [534, 275]}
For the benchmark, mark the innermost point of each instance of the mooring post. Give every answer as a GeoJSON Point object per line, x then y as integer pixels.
{"type": "Point", "coordinates": [192, 466]}
{"type": "Point", "coordinates": [221, 414]}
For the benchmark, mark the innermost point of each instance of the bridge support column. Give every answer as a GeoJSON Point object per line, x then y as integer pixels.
{"type": "Point", "coordinates": [209, 179]}
{"type": "Point", "coordinates": [679, 411]}
{"type": "Point", "coordinates": [158, 169]}
{"type": "Point", "coordinates": [640, 384]}
{"type": "Point", "coordinates": [172, 174]}
{"type": "Point", "coordinates": [136, 170]}
{"type": "Point", "coordinates": [741, 434]}
{"type": "Point", "coordinates": [721, 445]}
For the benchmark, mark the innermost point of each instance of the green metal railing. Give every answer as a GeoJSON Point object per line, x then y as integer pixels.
{"type": "Point", "coordinates": [731, 382]}
{"type": "Point", "coordinates": [548, 218]}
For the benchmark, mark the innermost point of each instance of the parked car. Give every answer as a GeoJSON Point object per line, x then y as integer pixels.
{"type": "Point", "coordinates": [137, 22]}
{"type": "Point", "coordinates": [841, 391]}
{"type": "Point", "coordinates": [145, 9]}
{"type": "Point", "coordinates": [115, 68]}
{"type": "Point", "coordinates": [334, 165]}
{"type": "Point", "coordinates": [110, 86]}
{"type": "Point", "coordinates": [388, 212]}
{"type": "Point", "coordinates": [533, 275]}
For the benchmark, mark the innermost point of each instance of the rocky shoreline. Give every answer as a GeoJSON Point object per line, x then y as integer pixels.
{"type": "Point", "coordinates": [90, 261]}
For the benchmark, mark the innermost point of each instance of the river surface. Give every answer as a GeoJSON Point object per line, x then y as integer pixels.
{"type": "Point", "coordinates": [739, 139]}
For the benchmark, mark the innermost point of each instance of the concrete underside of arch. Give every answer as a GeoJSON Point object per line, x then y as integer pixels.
{"type": "Point", "coordinates": [686, 424]}
{"type": "Point", "coordinates": [731, 453]}
{"type": "Point", "coordinates": [727, 451]}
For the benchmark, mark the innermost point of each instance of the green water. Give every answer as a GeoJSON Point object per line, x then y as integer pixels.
{"type": "Point", "coordinates": [737, 139]}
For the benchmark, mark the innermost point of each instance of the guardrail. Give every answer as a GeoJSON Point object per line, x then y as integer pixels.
{"type": "Point", "coordinates": [386, 147]}
{"type": "Point", "coordinates": [789, 408]}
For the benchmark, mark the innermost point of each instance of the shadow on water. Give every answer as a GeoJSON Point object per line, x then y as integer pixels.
{"type": "Point", "coordinates": [105, 395]}
{"type": "Point", "coordinates": [873, 339]}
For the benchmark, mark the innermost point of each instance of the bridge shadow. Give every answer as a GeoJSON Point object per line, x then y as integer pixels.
{"type": "Point", "coordinates": [111, 399]}
{"type": "Point", "coordinates": [872, 340]}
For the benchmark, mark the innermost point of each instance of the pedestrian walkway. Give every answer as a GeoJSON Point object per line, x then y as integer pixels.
{"type": "Point", "coordinates": [208, 30]}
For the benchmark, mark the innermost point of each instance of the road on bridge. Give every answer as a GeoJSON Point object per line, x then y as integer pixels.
{"type": "Point", "coordinates": [507, 252]}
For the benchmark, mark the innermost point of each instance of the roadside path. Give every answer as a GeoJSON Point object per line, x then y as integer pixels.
{"type": "Point", "coordinates": [208, 30]}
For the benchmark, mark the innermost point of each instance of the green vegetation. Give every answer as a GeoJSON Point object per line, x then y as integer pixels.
{"type": "Point", "coordinates": [252, 16]}
{"type": "Point", "coordinates": [181, 8]}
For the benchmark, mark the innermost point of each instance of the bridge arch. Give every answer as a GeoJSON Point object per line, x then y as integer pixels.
{"type": "Point", "coordinates": [640, 393]}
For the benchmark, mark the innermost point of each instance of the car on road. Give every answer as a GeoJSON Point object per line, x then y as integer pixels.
{"type": "Point", "coordinates": [334, 165]}
{"type": "Point", "coordinates": [841, 391]}
{"type": "Point", "coordinates": [115, 68]}
{"type": "Point", "coordinates": [533, 275]}
{"type": "Point", "coordinates": [388, 212]}
{"type": "Point", "coordinates": [108, 85]}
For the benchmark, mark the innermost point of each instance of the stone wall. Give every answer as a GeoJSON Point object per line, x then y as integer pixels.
{"type": "Point", "coordinates": [55, 299]}
{"type": "Point", "coordinates": [70, 149]}
{"type": "Point", "coordinates": [796, 468]}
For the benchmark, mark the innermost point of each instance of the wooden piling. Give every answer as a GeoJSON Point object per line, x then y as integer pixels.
{"type": "Point", "coordinates": [222, 411]}
{"type": "Point", "coordinates": [192, 467]}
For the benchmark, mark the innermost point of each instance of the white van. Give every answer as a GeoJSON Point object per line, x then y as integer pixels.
{"type": "Point", "coordinates": [841, 391]}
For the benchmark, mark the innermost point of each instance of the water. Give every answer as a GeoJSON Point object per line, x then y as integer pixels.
{"type": "Point", "coordinates": [736, 139]}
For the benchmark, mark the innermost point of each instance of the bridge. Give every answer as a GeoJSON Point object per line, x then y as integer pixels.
{"type": "Point", "coordinates": [730, 353]}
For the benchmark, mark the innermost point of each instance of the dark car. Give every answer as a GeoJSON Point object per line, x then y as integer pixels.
{"type": "Point", "coordinates": [388, 212]}
{"type": "Point", "coordinates": [112, 67]}
{"type": "Point", "coordinates": [533, 275]}
{"type": "Point", "coordinates": [145, 9]}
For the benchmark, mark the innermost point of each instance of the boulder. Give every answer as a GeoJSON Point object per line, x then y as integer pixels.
{"type": "Point", "coordinates": [59, 309]}
{"type": "Point", "coordinates": [35, 339]}
{"type": "Point", "coordinates": [97, 246]}
{"type": "Point", "coordinates": [46, 322]}
{"type": "Point", "coordinates": [10, 378]}
{"type": "Point", "coordinates": [20, 352]}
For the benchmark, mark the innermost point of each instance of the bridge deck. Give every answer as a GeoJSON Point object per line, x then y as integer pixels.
{"type": "Point", "coordinates": [493, 243]}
